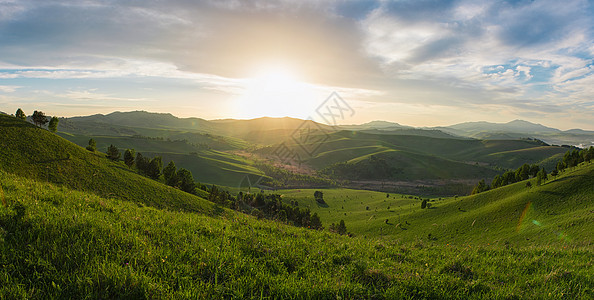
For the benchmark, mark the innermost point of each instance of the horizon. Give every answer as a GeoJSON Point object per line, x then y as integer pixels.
{"type": "Point", "coordinates": [320, 121]}
{"type": "Point", "coordinates": [415, 63]}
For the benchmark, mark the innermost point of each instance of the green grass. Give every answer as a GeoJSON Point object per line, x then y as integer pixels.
{"type": "Point", "coordinates": [60, 243]}
{"type": "Point", "coordinates": [98, 230]}
{"type": "Point", "coordinates": [559, 212]}
{"type": "Point", "coordinates": [419, 157]}
{"type": "Point", "coordinates": [36, 153]}
{"type": "Point", "coordinates": [207, 165]}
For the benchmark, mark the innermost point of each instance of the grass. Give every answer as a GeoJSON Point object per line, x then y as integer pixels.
{"type": "Point", "coordinates": [59, 243]}
{"type": "Point", "coordinates": [557, 213]}
{"type": "Point", "coordinates": [38, 154]}
{"type": "Point", "coordinates": [207, 165]}
{"type": "Point", "coordinates": [119, 235]}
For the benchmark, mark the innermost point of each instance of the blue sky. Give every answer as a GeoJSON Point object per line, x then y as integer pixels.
{"type": "Point", "coordinates": [420, 63]}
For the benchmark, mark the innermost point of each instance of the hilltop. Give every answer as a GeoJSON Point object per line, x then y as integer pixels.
{"type": "Point", "coordinates": [38, 154]}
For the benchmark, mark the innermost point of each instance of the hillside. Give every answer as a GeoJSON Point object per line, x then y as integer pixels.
{"type": "Point", "coordinates": [349, 154]}
{"type": "Point", "coordinates": [60, 243]}
{"type": "Point", "coordinates": [207, 165]}
{"type": "Point", "coordinates": [36, 153]}
{"type": "Point", "coordinates": [559, 212]}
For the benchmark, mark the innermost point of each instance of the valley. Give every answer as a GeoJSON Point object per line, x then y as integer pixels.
{"type": "Point", "coordinates": [118, 233]}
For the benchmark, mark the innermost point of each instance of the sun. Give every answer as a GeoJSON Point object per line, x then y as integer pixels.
{"type": "Point", "coordinates": [275, 91]}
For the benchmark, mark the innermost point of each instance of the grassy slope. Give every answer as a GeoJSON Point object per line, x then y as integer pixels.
{"type": "Point", "coordinates": [560, 212]}
{"type": "Point", "coordinates": [60, 243]}
{"type": "Point", "coordinates": [207, 166]}
{"type": "Point", "coordinates": [36, 153]}
{"type": "Point", "coordinates": [453, 149]}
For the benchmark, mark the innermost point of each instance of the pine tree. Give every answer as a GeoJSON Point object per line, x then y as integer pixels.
{"type": "Point", "coordinates": [113, 153]}
{"type": "Point", "coordinates": [186, 180]}
{"type": "Point", "coordinates": [129, 157]}
{"type": "Point", "coordinates": [154, 168]}
{"type": "Point", "coordinates": [170, 174]}
{"type": "Point", "coordinates": [541, 176]}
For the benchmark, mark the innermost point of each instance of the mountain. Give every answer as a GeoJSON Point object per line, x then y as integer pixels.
{"type": "Point", "coordinates": [516, 126]}
{"type": "Point", "coordinates": [374, 125]}
{"type": "Point", "coordinates": [519, 129]}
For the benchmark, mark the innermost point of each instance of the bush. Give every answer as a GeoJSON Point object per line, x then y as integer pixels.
{"type": "Point", "coordinates": [92, 145]}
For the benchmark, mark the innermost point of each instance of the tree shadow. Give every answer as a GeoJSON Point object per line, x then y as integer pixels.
{"type": "Point", "coordinates": [51, 160]}
{"type": "Point", "coordinates": [217, 210]}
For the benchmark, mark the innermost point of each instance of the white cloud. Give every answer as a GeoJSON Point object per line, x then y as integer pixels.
{"type": "Point", "coordinates": [9, 88]}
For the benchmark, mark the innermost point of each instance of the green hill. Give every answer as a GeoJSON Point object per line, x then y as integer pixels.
{"type": "Point", "coordinates": [36, 153]}
{"type": "Point", "coordinates": [207, 165]}
{"type": "Point", "coordinates": [559, 212]}
{"type": "Point", "coordinates": [348, 154]}
{"type": "Point", "coordinates": [60, 243]}
{"type": "Point", "coordinates": [94, 236]}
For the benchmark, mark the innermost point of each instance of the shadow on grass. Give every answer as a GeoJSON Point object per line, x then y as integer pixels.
{"type": "Point", "coordinates": [217, 210]}
{"type": "Point", "coordinates": [51, 160]}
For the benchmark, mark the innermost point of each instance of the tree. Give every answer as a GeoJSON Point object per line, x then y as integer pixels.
{"type": "Point", "coordinates": [92, 145]}
{"type": "Point", "coordinates": [523, 172]}
{"type": "Point", "coordinates": [53, 124]}
{"type": "Point", "coordinates": [142, 163]}
{"type": "Point", "coordinates": [154, 168]}
{"type": "Point", "coordinates": [20, 114]}
{"type": "Point", "coordinates": [170, 174]}
{"type": "Point", "coordinates": [39, 118]}
{"type": "Point", "coordinates": [113, 153]}
{"type": "Point", "coordinates": [315, 222]}
{"type": "Point", "coordinates": [589, 154]}
{"type": "Point", "coordinates": [424, 204]}
{"type": "Point", "coordinates": [319, 196]}
{"type": "Point", "coordinates": [497, 182]}
{"type": "Point", "coordinates": [186, 180]}
{"type": "Point", "coordinates": [129, 157]}
{"type": "Point", "coordinates": [480, 187]}
{"type": "Point", "coordinates": [341, 229]}
{"type": "Point", "coordinates": [541, 176]}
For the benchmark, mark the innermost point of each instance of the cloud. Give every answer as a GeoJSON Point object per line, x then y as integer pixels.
{"type": "Point", "coordinates": [9, 88]}
{"type": "Point", "coordinates": [521, 55]}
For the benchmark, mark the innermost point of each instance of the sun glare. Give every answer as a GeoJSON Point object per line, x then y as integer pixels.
{"type": "Point", "coordinates": [276, 92]}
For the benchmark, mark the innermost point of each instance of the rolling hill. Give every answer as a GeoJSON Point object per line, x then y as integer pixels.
{"type": "Point", "coordinates": [36, 153]}
{"type": "Point", "coordinates": [119, 235]}
{"type": "Point", "coordinates": [559, 212]}
{"type": "Point", "coordinates": [348, 154]}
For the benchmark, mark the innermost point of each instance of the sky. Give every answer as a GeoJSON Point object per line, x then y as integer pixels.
{"type": "Point", "coordinates": [417, 63]}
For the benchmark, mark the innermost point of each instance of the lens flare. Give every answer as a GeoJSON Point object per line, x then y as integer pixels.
{"type": "Point", "coordinates": [523, 215]}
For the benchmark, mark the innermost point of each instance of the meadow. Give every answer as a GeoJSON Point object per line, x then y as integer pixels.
{"type": "Point", "coordinates": [60, 243]}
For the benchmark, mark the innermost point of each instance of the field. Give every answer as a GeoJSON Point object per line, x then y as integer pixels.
{"type": "Point", "coordinates": [555, 213]}
{"type": "Point", "coordinates": [74, 224]}
{"type": "Point", "coordinates": [59, 243]}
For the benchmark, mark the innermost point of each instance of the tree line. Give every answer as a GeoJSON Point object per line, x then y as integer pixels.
{"type": "Point", "coordinates": [39, 119]}
{"type": "Point", "coordinates": [268, 206]}
{"type": "Point", "coordinates": [570, 159]}
{"type": "Point", "coordinates": [153, 168]}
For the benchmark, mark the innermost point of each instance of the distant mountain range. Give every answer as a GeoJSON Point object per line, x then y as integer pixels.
{"type": "Point", "coordinates": [124, 123]}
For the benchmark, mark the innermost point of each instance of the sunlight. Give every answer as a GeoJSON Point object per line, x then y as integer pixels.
{"type": "Point", "coordinates": [276, 92]}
